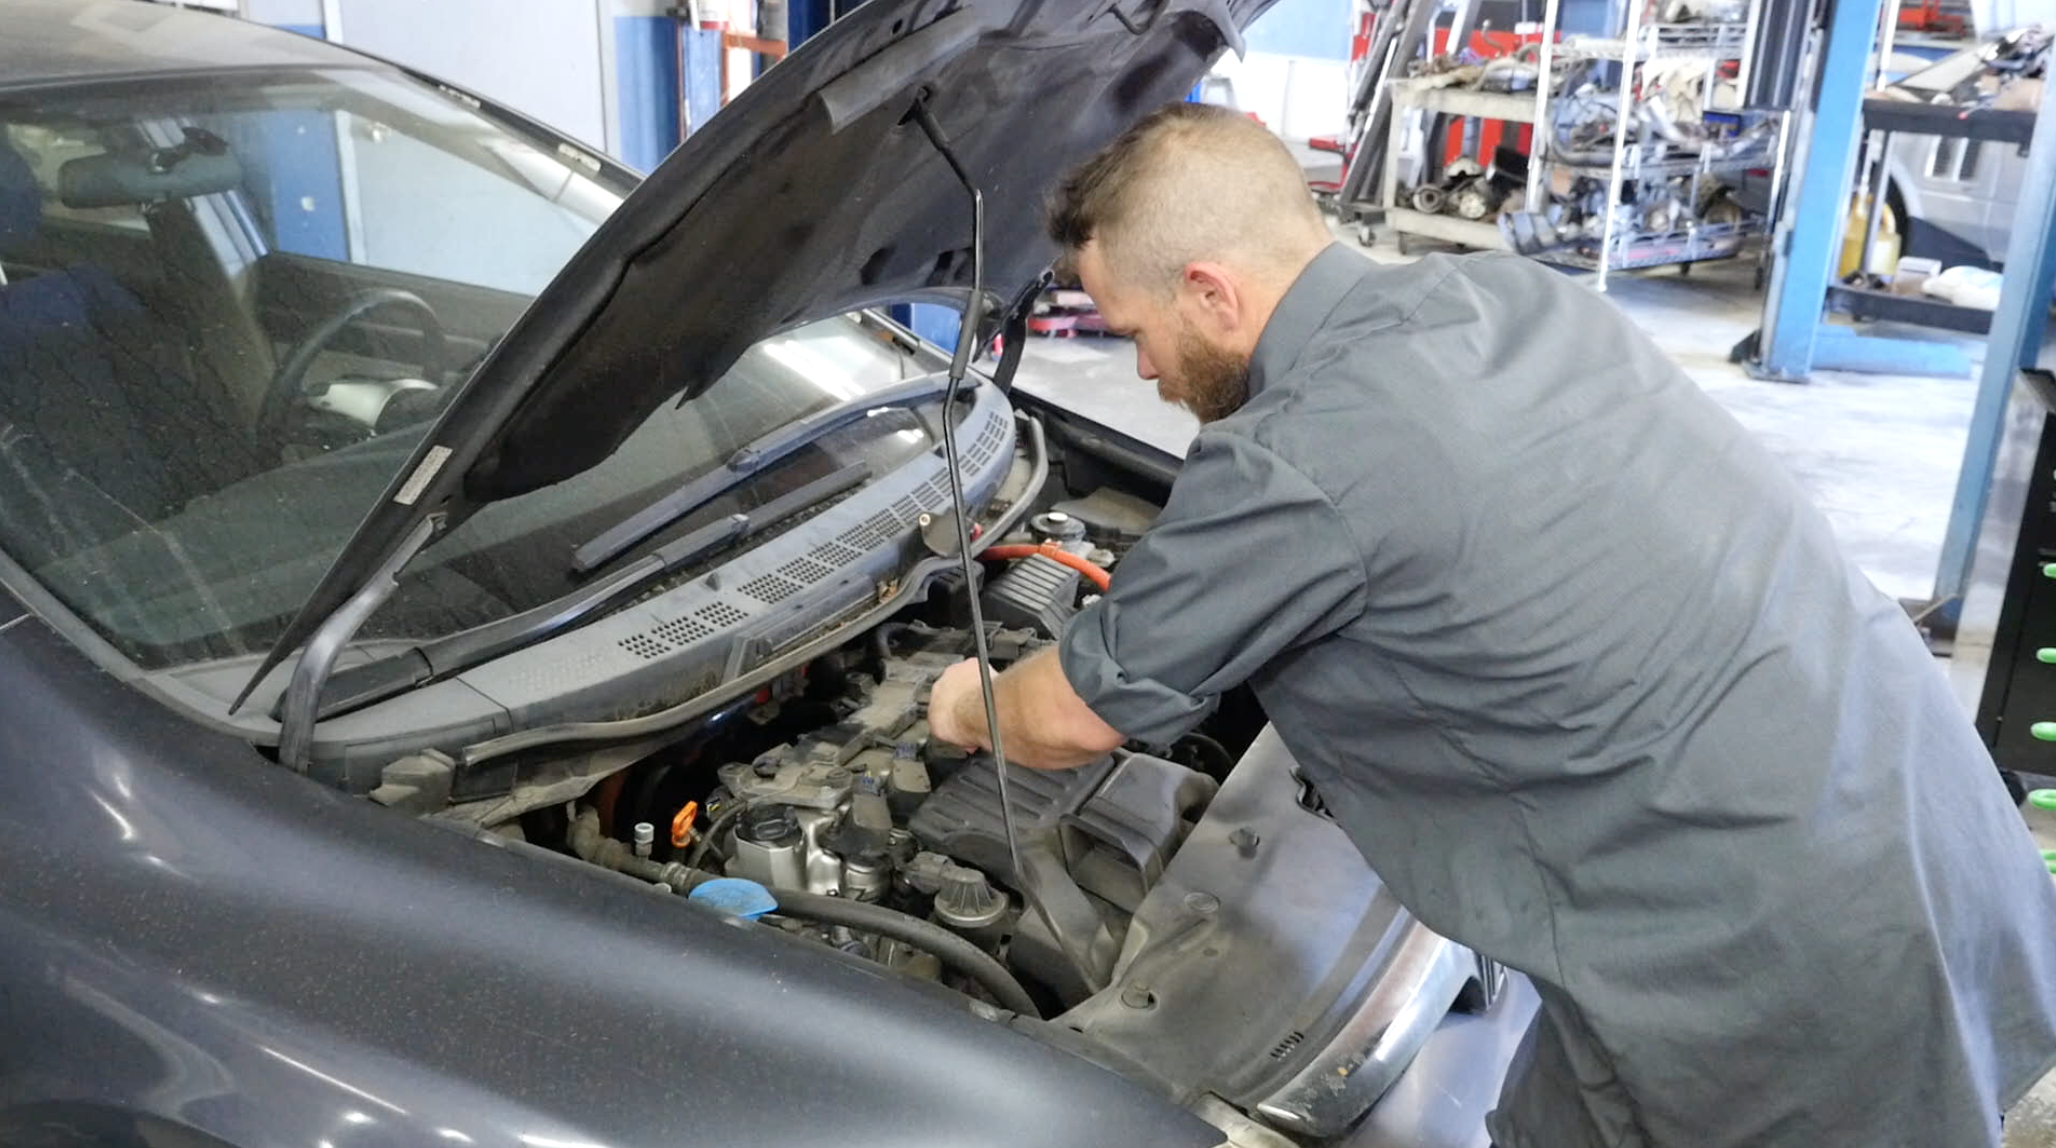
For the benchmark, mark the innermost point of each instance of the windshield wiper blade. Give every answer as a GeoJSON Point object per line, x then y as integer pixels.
{"type": "Point", "coordinates": [770, 448]}
{"type": "Point", "coordinates": [432, 661]}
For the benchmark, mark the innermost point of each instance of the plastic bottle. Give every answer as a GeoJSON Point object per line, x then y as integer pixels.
{"type": "Point", "coordinates": [1884, 250]}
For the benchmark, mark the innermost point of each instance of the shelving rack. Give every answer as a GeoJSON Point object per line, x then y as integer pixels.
{"type": "Point", "coordinates": [1622, 245]}
{"type": "Point", "coordinates": [1417, 95]}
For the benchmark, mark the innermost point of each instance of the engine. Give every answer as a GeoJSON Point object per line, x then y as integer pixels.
{"type": "Point", "coordinates": [830, 795]}
{"type": "Point", "coordinates": [870, 809]}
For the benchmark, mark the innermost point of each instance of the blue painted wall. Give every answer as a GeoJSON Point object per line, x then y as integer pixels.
{"type": "Point", "coordinates": [1587, 17]}
{"type": "Point", "coordinates": [937, 324]}
{"type": "Point", "coordinates": [295, 172]}
{"type": "Point", "coordinates": [646, 83]}
{"type": "Point", "coordinates": [296, 176]}
{"type": "Point", "coordinates": [1318, 28]}
{"type": "Point", "coordinates": [646, 74]}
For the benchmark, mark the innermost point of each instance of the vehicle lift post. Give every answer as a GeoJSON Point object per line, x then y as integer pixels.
{"type": "Point", "coordinates": [1792, 340]}
{"type": "Point", "coordinates": [2014, 344]}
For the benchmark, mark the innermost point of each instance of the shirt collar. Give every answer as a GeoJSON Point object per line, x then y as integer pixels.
{"type": "Point", "coordinates": [1306, 305]}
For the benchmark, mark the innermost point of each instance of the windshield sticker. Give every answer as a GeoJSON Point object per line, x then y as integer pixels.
{"type": "Point", "coordinates": [423, 475]}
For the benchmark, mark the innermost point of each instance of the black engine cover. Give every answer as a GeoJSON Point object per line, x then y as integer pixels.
{"type": "Point", "coordinates": [1120, 818]}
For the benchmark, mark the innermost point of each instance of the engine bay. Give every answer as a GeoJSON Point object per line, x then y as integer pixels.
{"type": "Point", "coordinates": [826, 786]}
{"type": "Point", "coordinates": [1188, 912]}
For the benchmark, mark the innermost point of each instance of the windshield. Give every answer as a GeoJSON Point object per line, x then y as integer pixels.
{"type": "Point", "coordinates": [231, 306]}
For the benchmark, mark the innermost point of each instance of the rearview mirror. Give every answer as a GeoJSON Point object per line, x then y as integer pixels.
{"type": "Point", "coordinates": [201, 165]}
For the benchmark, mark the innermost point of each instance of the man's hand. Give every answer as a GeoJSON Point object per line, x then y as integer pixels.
{"type": "Point", "coordinates": [956, 707]}
{"type": "Point", "coordinates": [1045, 723]}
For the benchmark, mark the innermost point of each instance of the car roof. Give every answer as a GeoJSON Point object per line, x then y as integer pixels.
{"type": "Point", "coordinates": [57, 41]}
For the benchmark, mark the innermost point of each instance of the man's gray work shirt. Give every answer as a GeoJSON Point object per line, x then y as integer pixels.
{"type": "Point", "coordinates": [1582, 672]}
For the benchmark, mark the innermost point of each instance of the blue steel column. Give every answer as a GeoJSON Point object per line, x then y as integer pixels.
{"type": "Point", "coordinates": [804, 18]}
{"type": "Point", "coordinates": [2015, 342]}
{"type": "Point", "coordinates": [646, 81]}
{"type": "Point", "coordinates": [295, 175]}
{"type": "Point", "coordinates": [1809, 230]}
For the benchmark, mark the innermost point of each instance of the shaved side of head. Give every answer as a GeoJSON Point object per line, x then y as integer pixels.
{"type": "Point", "coordinates": [1190, 182]}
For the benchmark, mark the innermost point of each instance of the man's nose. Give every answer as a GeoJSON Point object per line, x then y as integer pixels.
{"type": "Point", "coordinates": [1143, 366]}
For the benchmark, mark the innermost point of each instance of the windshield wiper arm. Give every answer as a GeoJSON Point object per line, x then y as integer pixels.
{"type": "Point", "coordinates": [432, 661]}
{"type": "Point", "coordinates": [610, 543]}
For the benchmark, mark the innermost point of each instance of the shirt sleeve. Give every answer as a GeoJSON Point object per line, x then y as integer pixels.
{"type": "Point", "coordinates": [1248, 560]}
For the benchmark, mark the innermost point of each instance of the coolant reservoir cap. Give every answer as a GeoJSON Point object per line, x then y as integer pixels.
{"type": "Point", "coordinates": [1056, 526]}
{"type": "Point", "coordinates": [736, 897]}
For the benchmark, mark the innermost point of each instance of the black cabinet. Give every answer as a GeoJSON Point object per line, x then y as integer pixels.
{"type": "Point", "coordinates": [2017, 711]}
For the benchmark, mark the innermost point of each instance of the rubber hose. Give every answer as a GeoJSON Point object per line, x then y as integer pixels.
{"type": "Point", "coordinates": [1094, 573]}
{"type": "Point", "coordinates": [705, 842]}
{"type": "Point", "coordinates": [1221, 760]}
{"type": "Point", "coordinates": [954, 951]}
{"type": "Point", "coordinates": [881, 638]}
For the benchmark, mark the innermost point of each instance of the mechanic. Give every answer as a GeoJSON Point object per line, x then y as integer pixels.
{"type": "Point", "coordinates": [1572, 659]}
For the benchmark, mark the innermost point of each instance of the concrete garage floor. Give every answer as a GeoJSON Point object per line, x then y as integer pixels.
{"type": "Point", "coordinates": [1879, 453]}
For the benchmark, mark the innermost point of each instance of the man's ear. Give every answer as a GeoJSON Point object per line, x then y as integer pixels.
{"type": "Point", "coordinates": [1212, 296]}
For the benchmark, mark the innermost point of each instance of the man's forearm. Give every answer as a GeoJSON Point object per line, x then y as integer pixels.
{"type": "Point", "coordinates": [1043, 722]}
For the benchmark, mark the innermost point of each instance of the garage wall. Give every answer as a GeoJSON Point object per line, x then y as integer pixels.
{"type": "Point", "coordinates": [547, 59]}
{"type": "Point", "coordinates": [1992, 17]}
{"type": "Point", "coordinates": [302, 16]}
{"type": "Point", "coordinates": [604, 71]}
{"type": "Point", "coordinates": [1295, 75]}
{"type": "Point", "coordinates": [1318, 29]}
{"type": "Point", "coordinates": [1298, 97]}
{"type": "Point", "coordinates": [351, 192]}
{"type": "Point", "coordinates": [554, 60]}
{"type": "Point", "coordinates": [646, 80]}
{"type": "Point", "coordinates": [459, 234]}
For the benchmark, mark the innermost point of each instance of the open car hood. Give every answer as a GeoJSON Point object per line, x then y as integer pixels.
{"type": "Point", "coordinates": [813, 194]}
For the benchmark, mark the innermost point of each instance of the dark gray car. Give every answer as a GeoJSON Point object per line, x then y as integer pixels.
{"type": "Point", "coordinates": [465, 618]}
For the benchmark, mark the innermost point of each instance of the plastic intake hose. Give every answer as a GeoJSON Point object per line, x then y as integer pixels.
{"type": "Point", "coordinates": [952, 950]}
{"type": "Point", "coordinates": [1093, 572]}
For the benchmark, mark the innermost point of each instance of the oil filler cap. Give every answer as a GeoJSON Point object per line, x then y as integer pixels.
{"type": "Point", "coordinates": [966, 900]}
{"type": "Point", "coordinates": [735, 897]}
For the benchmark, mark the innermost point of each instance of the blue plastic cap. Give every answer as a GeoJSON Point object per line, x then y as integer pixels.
{"type": "Point", "coordinates": [736, 897]}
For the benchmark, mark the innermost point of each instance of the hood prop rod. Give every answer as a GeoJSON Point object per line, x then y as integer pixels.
{"type": "Point", "coordinates": [1047, 887]}
{"type": "Point", "coordinates": [318, 658]}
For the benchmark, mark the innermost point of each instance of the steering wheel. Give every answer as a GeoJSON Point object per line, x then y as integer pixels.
{"type": "Point", "coordinates": [274, 418]}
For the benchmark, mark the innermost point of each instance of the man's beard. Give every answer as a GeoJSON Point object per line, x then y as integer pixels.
{"type": "Point", "coordinates": [1210, 382]}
